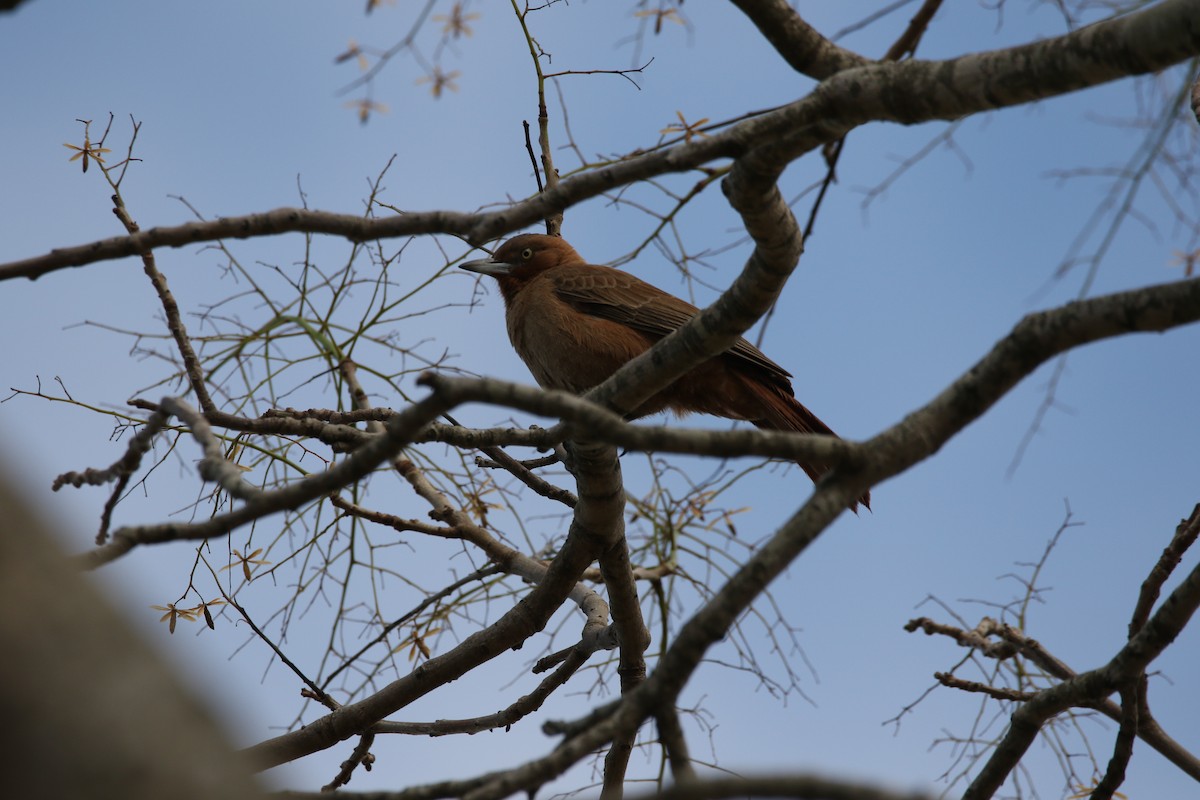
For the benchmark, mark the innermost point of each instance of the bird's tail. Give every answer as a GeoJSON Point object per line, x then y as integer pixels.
{"type": "Point", "coordinates": [783, 412]}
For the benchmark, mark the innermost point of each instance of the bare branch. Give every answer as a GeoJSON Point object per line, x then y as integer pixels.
{"type": "Point", "coordinates": [399, 432]}
{"type": "Point", "coordinates": [802, 46]}
{"type": "Point", "coordinates": [908, 92]}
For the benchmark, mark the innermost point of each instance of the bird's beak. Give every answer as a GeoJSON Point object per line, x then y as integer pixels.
{"type": "Point", "coordinates": [487, 266]}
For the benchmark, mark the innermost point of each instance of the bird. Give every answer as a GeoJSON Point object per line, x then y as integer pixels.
{"type": "Point", "coordinates": [574, 324]}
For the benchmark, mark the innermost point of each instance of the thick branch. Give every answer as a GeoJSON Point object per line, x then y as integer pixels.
{"type": "Point", "coordinates": [592, 421]}
{"type": "Point", "coordinates": [801, 45]}
{"type": "Point", "coordinates": [800, 787]}
{"type": "Point", "coordinates": [910, 92]}
{"type": "Point", "coordinates": [1036, 339]}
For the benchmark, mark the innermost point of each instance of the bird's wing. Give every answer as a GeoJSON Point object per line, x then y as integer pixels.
{"type": "Point", "coordinates": [620, 297]}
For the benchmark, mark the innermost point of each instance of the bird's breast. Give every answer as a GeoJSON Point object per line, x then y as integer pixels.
{"type": "Point", "coordinates": [563, 347]}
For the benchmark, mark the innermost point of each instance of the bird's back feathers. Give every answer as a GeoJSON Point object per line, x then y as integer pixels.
{"type": "Point", "coordinates": [620, 297]}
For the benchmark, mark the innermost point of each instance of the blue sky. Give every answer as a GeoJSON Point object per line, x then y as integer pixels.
{"type": "Point", "coordinates": [240, 101]}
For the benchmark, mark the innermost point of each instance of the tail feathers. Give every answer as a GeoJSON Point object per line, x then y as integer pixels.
{"type": "Point", "coordinates": [780, 411]}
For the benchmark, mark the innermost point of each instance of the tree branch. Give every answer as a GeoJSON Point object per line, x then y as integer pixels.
{"type": "Point", "coordinates": [801, 45]}
{"type": "Point", "coordinates": [909, 92]}
{"type": "Point", "coordinates": [1036, 339]}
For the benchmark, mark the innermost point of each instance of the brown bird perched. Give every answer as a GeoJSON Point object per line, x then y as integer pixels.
{"type": "Point", "coordinates": [574, 324]}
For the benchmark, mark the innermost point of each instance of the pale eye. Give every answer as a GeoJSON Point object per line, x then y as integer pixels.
{"type": "Point", "coordinates": [527, 254]}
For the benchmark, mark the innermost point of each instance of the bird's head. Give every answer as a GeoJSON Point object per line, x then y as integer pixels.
{"type": "Point", "coordinates": [524, 256]}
